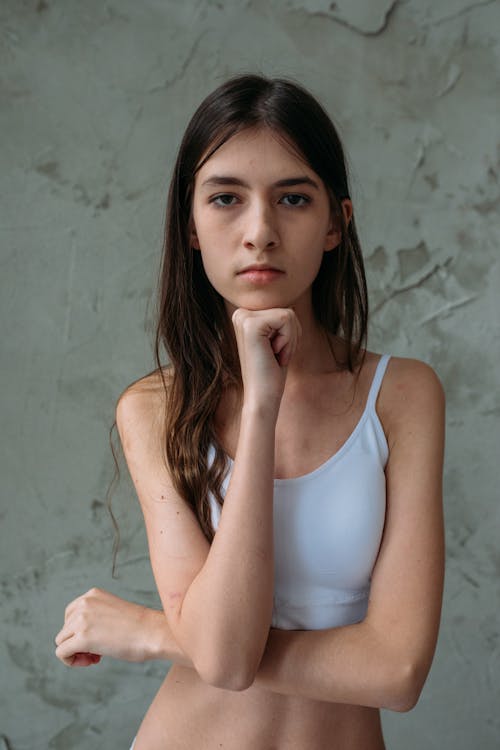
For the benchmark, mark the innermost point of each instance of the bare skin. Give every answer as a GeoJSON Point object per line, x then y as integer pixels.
{"type": "Point", "coordinates": [187, 713]}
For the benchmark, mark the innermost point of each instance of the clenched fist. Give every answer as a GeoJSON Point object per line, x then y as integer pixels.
{"type": "Point", "coordinates": [101, 624]}
{"type": "Point", "coordinates": [267, 340]}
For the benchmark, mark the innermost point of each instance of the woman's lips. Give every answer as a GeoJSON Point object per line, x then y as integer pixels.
{"type": "Point", "coordinates": [260, 277]}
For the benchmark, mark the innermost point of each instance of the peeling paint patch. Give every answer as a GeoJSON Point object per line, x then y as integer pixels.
{"type": "Point", "coordinates": [378, 259]}
{"type": "Point", "coordinates": [364, 18]}
{"type": "Point", "coordinates": [454, 73]}
{"type": "Point", "coordinates": [423, 279]}
{"type": "Point", "coordinates": [49, 169]}
{"type": "Point", "coordinates": [412, 259]}
{"type": "Point", "coordinates": [446, 309]}
{"type": "Point", "coordinates": [429, 13]}
{"type": "Point", "coordinates": [69, 736]}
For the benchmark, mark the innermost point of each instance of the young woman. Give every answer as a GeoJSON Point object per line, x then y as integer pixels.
{"type": "Point", "coordinates": [290, 479]}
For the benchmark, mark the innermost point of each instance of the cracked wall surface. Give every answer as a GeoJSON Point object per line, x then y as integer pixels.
{"type": "Point", "coordinates": [94, 100]}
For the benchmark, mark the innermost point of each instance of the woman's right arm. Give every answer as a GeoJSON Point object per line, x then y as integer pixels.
{"type": "Point", "coordinates": [217, 598]}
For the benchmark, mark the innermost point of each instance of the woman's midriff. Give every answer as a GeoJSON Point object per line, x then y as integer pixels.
{"type": "Point", "coordinates": [188, 714]}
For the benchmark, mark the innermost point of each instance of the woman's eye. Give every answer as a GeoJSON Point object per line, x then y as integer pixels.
{"type": "Point", "coordinates": [296, 200]}
{"type": "Point", "coordinates": [226, 200]}
{"type": "Point", "coordinates": [223, 200]}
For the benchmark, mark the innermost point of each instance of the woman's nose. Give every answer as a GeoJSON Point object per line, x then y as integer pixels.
{"type": "Point", "coordinates": [260, 230]}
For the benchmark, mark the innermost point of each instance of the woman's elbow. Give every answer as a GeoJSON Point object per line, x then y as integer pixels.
{"type": "Point", "coordinates": [226, 677]}
{"type": "Point", "coordinates": [406, 689]}
{"type": "Point", "coordinates": [234, 682]}
{"type": "Point", "coordinates": [226, 664]}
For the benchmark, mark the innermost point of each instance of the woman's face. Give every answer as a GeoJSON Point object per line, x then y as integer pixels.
{"type": "Point", "coordinates": [256, 202]}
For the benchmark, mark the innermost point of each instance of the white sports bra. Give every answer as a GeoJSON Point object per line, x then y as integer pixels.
{"type": "Point", "coordinates": [328, 526]}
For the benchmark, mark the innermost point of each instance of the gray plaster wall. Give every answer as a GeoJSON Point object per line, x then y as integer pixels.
{"type": "Point", "coordinates": [94, 99]}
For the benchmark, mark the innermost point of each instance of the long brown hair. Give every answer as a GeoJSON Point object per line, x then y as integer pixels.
{"type": "Point", "coordinates": [192, 324]}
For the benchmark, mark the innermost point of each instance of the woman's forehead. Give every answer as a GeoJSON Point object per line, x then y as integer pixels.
{"type": "Point", "coordinates": [255, 148]}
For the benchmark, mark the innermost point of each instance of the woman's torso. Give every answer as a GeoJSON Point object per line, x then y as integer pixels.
{"type": "Point", "coordinates": [188, 714]}
{"type": "Point", "coordinates": [315, 421]}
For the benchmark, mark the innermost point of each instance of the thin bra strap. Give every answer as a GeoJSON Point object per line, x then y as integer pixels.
{"type": "Point", "coordinates": [377, 379]}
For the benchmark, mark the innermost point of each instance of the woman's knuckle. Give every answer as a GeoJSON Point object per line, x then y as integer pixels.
{"type": "Point", "coordinates": [83, 611]}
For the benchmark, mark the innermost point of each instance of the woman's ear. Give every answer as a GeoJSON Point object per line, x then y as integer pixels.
{"type": "Point", "coordinates": [334, 235]}
{"type": "Point", "coordinates": [193, 238]}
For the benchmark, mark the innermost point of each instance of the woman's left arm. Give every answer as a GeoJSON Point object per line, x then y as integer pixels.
{"type": "Point", "coordinates": [384, 660]}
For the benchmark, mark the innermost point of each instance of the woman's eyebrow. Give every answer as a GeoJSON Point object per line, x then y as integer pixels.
{"type": "Point", "coordinates": [287, 182]}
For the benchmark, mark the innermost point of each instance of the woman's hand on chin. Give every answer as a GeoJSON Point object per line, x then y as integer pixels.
{"type": "Point", "coordinates": [266, 341]}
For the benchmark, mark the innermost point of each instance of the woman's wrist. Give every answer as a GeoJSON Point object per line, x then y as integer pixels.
{"type": "Point", "coordinates": [161, 643]}
{"type": "Point", "coordinates": [263, 411]}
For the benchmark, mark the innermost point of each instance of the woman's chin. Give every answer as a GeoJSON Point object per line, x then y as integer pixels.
{"type": "Point", "coordinates": [256, 302]}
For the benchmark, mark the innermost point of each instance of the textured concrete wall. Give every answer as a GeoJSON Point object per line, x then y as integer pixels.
{"type": "Point", "coordinates": [95, 96]}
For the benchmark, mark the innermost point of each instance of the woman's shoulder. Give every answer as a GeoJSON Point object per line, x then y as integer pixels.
{"type": "Point", "coordinates": [144, 399]}
{"type": "Point", "coordinates": [151, 385]}
{"type": "Point", "coordinates": [403, 375]}
{"type": "Point", "coordinates": [411, 392]}
{"type": "Point", "coordinates": [409, 376]}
